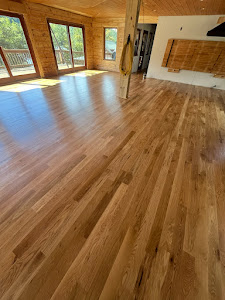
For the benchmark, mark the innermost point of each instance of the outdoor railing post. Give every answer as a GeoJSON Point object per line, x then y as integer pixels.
{"type": "Point", "coordinates": [4, 58]}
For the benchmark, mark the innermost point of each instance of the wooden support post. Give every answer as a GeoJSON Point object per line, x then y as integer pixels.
{"type": "Point", "coordinates": [132, 15]}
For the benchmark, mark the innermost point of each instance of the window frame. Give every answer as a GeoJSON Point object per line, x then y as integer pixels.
{"type": "Point", "coordinates": [13, 78]}
{"type": "Point", "coordinates": [68, 24]}
{"type": "Point", "coordinates": [104, 29]}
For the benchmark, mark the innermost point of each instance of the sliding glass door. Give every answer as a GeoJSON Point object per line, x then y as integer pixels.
{"type": "Point", "coordinates": [77, 42]}
{"type": "Point", "coordinates": [68, 44]}
{"type": "Point", "coordinates": [16, 56]}
{"type": "Point", "coordinates": [3, 70]}
{"type": "Point", "coordinates": [61, 43]}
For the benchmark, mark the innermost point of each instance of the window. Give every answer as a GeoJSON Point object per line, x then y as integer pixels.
{"type": "Point", "coordinates": [16, 55]}
{"type": "Point", "coordinates": [110, 35]}
{"type": "Point", "coordinates": [68, 43]}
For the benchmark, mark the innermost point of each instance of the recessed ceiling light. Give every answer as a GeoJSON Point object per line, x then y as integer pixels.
{"type": "Point", "coordinates": [154, 9]}
{"type": "Point", "coordinates": [202, 8]}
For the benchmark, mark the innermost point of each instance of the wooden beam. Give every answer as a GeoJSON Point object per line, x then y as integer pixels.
{"type": "Point", "coordinates": [132, 15]}
{"type": "Point", "coordinates": [148, 19]}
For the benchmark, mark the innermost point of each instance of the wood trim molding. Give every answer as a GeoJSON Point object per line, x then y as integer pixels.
{"type": "Point", "coordinates": [173, 70]}
{"type": "Point", "coordinates": [72, 70]}
{"type": "Point", "coordinates": [55, 21]}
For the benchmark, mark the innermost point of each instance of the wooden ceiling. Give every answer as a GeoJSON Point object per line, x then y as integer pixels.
{"type": "Point", "coordinates": [116, 8]}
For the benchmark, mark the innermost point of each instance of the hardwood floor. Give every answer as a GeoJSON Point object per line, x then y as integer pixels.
{"type": "Point", "coordinates": [103, 198]}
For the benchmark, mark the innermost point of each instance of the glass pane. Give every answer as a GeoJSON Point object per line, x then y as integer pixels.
{"type": "Point", "coordinates": [3, 71]}
{"type": "Point", "coordinates": [110, 43]}
{"type": "Point", "coordinates": [14, 46]}
{"type": "Point", "coordinates": [61, 45]}
{"type": "Point", "coordinates": [76, 35]}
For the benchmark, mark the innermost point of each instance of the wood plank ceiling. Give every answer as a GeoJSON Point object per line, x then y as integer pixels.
{"type": "Point", "coordinates": [116, 8]}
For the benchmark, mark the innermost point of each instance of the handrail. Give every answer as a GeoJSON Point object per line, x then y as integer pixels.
{"type": "Point", "coordinates": [16, 50]}
{"type": "Point", "coordinates": [18, 58]}
{"type": "Point", "coordinates": [21, 58]}
{"type": "Point", "coordinates": [64, 56]}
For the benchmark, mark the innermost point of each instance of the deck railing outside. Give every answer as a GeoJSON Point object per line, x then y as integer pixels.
{"type": "Point", "coordinates": [16, 62]}
{"type": "Point", "coordinates": [64, 57]}
{"type": "Point", "coordinates": [18, 58]}
{"type": "Point", "coordinates": [21, 60]}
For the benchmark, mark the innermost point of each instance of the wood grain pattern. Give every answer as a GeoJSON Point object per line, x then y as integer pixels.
{"type": "Point", "coordinates": [167, 52]}
{"type": "Point", "coordinates": [117, 8]}
{"type": "Point", "coordinates": [36, 16]}
{"type": "Point", "coordinates": [131, 21]}
{"type": "Point", "coordinates": [194, 55]}
{"type": "Point", "coordinates": [105, 198]}
{"type": "Point", "coordinates": [98, 26]}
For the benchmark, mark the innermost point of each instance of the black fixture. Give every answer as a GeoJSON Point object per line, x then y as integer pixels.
{"type": "Point", "coordinates": [217, 31]}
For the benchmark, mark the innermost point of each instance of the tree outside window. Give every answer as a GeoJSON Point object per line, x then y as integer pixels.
{"type": "Point", "coordinates": [110, 43]}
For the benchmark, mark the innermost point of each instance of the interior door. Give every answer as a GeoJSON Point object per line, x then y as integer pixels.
{"type": "Point", "coordinates": [142, 52]}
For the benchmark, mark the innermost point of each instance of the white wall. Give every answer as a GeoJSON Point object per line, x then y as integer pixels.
{"type": "Point", "coordinates": [193, 27]}
{"type": "Point", "coordinates": [149, 28]}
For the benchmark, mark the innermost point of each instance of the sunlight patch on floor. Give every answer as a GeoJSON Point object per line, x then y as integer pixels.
{"type": "Point", "coordinates": [86, 73]}
{"type": "Point", "coordinates": [45, 82]}
{"type": "Point", "coordinates": [41, 83]}
{"type": "Point", "coordinates": [29, 85]}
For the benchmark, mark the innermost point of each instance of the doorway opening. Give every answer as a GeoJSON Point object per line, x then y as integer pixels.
{"type": "Point", "coordinates": [143, 44]}
{"type": "Point", "coordinates": [68, 41]}
{"type": "Point", "coordinates": [17, 60]}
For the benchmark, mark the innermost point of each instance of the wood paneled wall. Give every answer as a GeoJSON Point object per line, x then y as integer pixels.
{"type": "Point", "coordinates": [98, 46]}
{"type": "Point", "coordinates": [36, 20]}
{"type": "Point", "coordinates": [36, 16]}
{"type": "Point", "coordinates": [195, 55]}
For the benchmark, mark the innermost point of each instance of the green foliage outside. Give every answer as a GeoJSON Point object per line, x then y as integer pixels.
{"type": "Point", "coordinates": [60, 34]}
{"type": "Point", "coordinates": [11, 33]}
{"type": "Point", "coordinates": [12, 36]}
{"type": "Point", "coordinates": [61, 42]}
{"type": "Point", "coordinates": [111, 34]}
{"type": "Point", "coordinates": [76, 38]}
